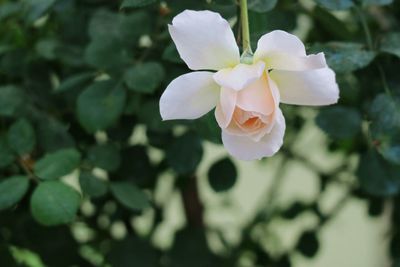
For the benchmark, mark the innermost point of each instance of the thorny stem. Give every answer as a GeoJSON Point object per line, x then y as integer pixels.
{"type": "Point", "coordinates": [245, 28]}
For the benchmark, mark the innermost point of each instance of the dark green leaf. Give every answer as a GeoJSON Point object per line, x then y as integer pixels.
{"type": "Point", "coordinates": [207, 127]}
{"type": "Point", "coordinates": [6, 154]}
{"type": "Point", "coordinates": [262, 5]}
{"type": "Point", "coordinates": [171, 54]}
{"type": "Point", "coordinates": [100, 105]}
{"type": "Point", "coordinates": [37, 8]}
{"type": "Point", "coordinates": [21, 137]}
{"type": "Point", "coordinates": [12, 190]}
{"type": "Point", "coordinates": [105, 156]}
{"type": "Point", "coordinates": [339, 122]}
{"type": "Point", "coordinates": [345, 57]}
{"type": "Point", "coordinates": [308, 244]}
{"type": "Point", "coordinates": [92, 185]}
{"type": "Point", "coordinates": [144, 78]}
{"type": "Point", "coordinates": [130, 196]}
{"type": "Point", "coordinates": [222, 175]}
{"type": "Point", "coordinates": [336, 4]}
{"type": "Point", "coordinates": [57, 164]}
{"type": "Point", "coordinates": [47, 48]}
{"type": "Point", "coordinates": [391, 43]}
{"type": "Point", "coordinates": [376, 176]}
{"type": "Point", "coordinates": [11, 100]}
{"type": "Point", "coordinates": [75, 81]}
{"type": "Point", "coordinates": [185, 153]}
{"type": "Point", "coordinates": [54, 203]}
{"type": "Point", "coordinates": [137, 3]}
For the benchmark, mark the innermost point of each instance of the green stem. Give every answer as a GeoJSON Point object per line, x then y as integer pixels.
{"type": "Point", "coordinates": [245, 28]}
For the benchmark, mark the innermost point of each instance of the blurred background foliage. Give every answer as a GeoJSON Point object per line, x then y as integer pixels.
{"type": "Point", "coordinates": [88, 169]}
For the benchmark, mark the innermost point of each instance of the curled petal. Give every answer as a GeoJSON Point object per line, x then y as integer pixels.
{"type": "Point", "coordinates": [311, 87]}
{"type": "Point", "coordinates": [239, 77]}
{"type": "Point", "coordinates": [204, 40]}
{"type": "Point", "coordinates": [225, 107]}
{"type": "Point", "coordinates": [189, 96]}
{"type": "Point", "coordinates": [281, 42]}
{"type": "Point", "coordinates": [245, 148]}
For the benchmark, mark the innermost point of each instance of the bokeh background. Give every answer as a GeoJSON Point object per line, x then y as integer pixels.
{"type": "Point", "coordinates": [91, 176]}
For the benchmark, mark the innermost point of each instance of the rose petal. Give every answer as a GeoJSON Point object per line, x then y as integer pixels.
{"type": "Point", "coordinates": [257, 97]}
{"type": "Point", "coordinates": [312, 87]}
{"type": "Point", "coordinates": [282, 61]}
{"type": "Point", "coordinates": [239, 77]}
{"type": "Point", "coordinates": [225, 107]}
{"type": "Point", "coordinates": [189, 96]}
{"type": "Point", "coordinates": [204, 40]}
{"type": "Point", "coordinates": [245, 148]}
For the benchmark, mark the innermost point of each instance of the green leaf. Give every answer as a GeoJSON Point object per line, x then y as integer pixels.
{"type": "Point", "coordinates": [391, 43]}
{"type": "Point", "coordinates": [47, 48]}
{"type": "Point", "coordinates": [21, 137]}
{"type": "Point", "coordinates": [54, 203]}
{"type": "Point", "coordinates": [222, 175]}
{"type": "Point", "coordinates": [7, 156]}
{"type": "Point", "coordinates": [105, 156]}
{"type": "Point", "coordinates": [130, 196]}
{"type": "Point", "coordinates": [100, 105]}
{"type": "Point", "coordinates": [52, 135]}
{"type": "Point", "coordinates": [336, 4]}
{"type": "Point", "coordinates": [11, 100]}
{"type": "Point", "coordinates": [171, 54]}
{"type": "Point", "coordinates": [37, 8]}
{"type": "Point", "coordinates": [262, 5]}
{"type": "Point", "coordinates": [57, 164]}
{"type": "Point", "coordinates": [207, 127]}
{"type": "Point", "coordinates": [75, 81]}
{"type": "Point", "coordinates": [339, 122]}
{"type": "Point", "coordinates": [144, 78]}
{"type": "Point", "coordinates": [107, 53]}
{"type": "Point", "coordinates": [137, 3]}
{"type": "Point", "coordinates": [185, 153]}
{"type": "Point", "coordinates": [377, 2]}
{"type": "Point", "coordinates": [12, 190]}
{"type": "Point", "coordinates": [345, 57]}
{"type": "Point", "coordinates": [308, 244]}
{"type": "Point", "coordinates": [376, 176]}
{"type": "Point", "coordinates": [92, 185]}
{"type": "Point", "coordinates": [385, 126]}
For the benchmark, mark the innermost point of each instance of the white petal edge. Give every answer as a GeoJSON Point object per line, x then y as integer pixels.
{"type": "Point", "coordinates": [311, 88]}
{"type": "Point", "coordinates": [240, 76]}
{"type": "Point", "coordinates": [279, 41]}
{"type": "Point", "coordinates": [189, 96]}
{"type": "Point", "coordinates": [225, 107]}
{"type": "Point", "coordinates": [245, 148]}
{"type": "Point", "coordinates": [283, 61]}
{"type": "Point", "coordinates": [204, 40]}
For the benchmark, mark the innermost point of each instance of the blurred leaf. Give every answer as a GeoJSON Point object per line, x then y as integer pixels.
{"type": "Point", "coordinates": [11, 100]}
{"type": "Point", "coordinates": [105, 156]}
{"type": "Point", "coordinates": [130, 196]}
{"type": "Point", "coordinates": [377, 2]}
{"type": "Point", "coordinates": [308, 244]}
{"type": "Point", "coordinates": [385, 126]}
{"type": "Point", "coordinates": [149, 114]}
{"type": "Point", "coordinates": [185, 153]}
{"type": "Point", "coordinates": [77, 80]}
{"type": "Point", "coordinates": [52, 135]}
{"type": "Point", "coordinates": [54, 203]}
{"type": "Point", "coordinates": [391, 43]}
{"type": "Point", "coordinates": [339, 122]}
{"type": "Point", "coordinates": [336, 4]}
{"type": "Point", "coordinates": [6, 154]}
{"type": "Point", "coordinates": [100, 105]}
{"type": "Point", "coordinates": [57, 164]}
{"type": "Point", "coordinates": [345, 57]}
{"type": "Point", "coordinates": [222, 175]}
{"type": "Point", "coordinates": [262, 5]}
{"type": "Point", "coordinates": [36, 8]}
{"type": "Point", "coordinates": [9, 9]}
{"type": "Point", "coordinates": [21, 137]}
{"type": "Point", "coordinates": [92, 185]}
{"type": "Point", "coordinates": [376, 176]}
{"type": "Point", "coordinates": [171, 54]}
{"type": "Point", "coordinates": [47, 48]}
{"type": "Point", "coordinates": [207, 127]}
{"type": "Point", "coordinates": [137, 3]}
{"type": "Point", "coordinates": [326, 20]}
{"type": "Point", "coordinates": [144, 78]}
{"type": "Point", "coordinates": [294, 210]}
{"type": "Point", "coordinates": [12, 190]}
